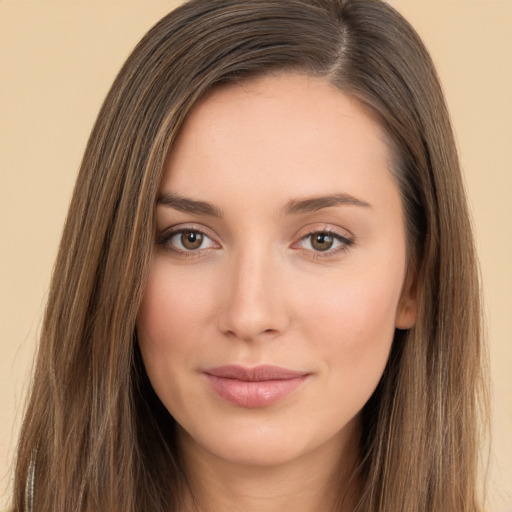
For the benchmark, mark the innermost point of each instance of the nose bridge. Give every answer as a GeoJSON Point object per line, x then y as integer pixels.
{"type": "Point", "coordinates": [255, 303]}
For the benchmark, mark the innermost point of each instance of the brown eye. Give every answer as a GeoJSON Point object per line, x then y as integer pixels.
{"type": "Point", "coordinates": [183, 241]}
{"type": "Point", "coordinates": [325, 243]}
{"type": "Point", "coordinates": [191, 240]}
{"type": "Point", "coordinates": [322, 241]}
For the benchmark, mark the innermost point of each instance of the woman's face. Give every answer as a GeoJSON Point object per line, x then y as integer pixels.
{"type": "Point", "coordinates": [277, 276]}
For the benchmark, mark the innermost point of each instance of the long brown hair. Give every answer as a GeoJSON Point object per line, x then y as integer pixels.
{"type": "Point", "coordinates": [95, 436]}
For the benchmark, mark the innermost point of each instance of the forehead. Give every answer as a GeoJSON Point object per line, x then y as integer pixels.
{"type": "Point", "coordinates": [295, 132]}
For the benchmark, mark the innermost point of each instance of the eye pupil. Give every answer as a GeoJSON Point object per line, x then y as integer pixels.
{"type": "Point", "coordinates": [322, 241]}
{"type": "Point", "coordinates": [191, 240]}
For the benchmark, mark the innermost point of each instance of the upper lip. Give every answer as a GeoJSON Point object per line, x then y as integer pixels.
{"type": "Point", "coordinates": [255, 374]}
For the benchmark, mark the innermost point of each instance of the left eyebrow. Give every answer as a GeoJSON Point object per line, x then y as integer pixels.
{"type": "Point", "coordinates": [312, 204]}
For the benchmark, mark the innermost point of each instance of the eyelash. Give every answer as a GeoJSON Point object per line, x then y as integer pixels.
{"type": "Point", "coordinates": [165, 238]}
{"type": "Point", "coordinates": [344, 243]}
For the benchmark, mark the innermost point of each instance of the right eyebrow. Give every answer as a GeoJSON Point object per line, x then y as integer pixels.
{"type": "Point", "coordinates": [186, 205]}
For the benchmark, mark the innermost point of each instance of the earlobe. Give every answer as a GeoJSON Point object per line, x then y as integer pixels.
{"type": "Point", "coordinates": [407, 311]}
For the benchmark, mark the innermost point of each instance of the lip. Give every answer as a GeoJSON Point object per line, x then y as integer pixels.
{"type": "Point", "coordinates": [254, 387]}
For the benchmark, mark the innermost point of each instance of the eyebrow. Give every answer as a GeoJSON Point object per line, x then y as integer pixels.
{"type": "Point", "coordinates": [186, 205]}
{"type": "Point", "coordinates": [308, 205]}
{"type": "Point", "coordinates": [293, 207]}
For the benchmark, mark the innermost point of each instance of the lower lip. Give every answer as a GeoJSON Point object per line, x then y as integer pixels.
{"type": "Point", "coordinates": [254, 394]}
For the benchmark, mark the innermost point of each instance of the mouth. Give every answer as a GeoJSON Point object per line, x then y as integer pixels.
{"type": "Point", "coordinates": [254, 387]}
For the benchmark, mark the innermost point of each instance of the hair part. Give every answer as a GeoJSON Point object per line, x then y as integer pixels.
{"type": "Point", "coordinates": [103, 439]}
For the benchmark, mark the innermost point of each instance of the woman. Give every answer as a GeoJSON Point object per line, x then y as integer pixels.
{"type": "Point", "coordinates": [266, 294]}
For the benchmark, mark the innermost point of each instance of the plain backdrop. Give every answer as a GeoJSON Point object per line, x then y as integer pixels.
{"type": "Point", "coordinates": [57, 61]}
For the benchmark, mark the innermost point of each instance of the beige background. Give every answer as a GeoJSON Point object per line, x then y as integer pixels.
{"type": "Point", "coordinates": [57, 61]}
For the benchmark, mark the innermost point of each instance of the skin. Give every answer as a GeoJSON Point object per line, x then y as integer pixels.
{"type": "Point", "coordinates": [258, 291]}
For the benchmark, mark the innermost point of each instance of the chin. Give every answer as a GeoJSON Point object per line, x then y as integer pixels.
{"type": "Point", "coordinates": [260, 445]}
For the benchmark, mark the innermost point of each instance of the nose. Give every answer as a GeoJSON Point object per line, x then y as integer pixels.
{"type": "Point", "coordinates": [254, 304]}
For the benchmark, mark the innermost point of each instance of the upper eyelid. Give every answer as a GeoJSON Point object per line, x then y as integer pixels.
{"type": "Point", "coordinates": [178, 228]}
{"type": "Point", "coordinates": [329, 231]}
{"type": "Point", "coordinates": [323, 228]}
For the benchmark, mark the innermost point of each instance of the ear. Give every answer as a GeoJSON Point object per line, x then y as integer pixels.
{"type": "Point", "coordinates": [407, 311]}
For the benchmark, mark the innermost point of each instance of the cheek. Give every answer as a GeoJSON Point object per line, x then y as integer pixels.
{"type": "Point", "coordinates": [353, 313]}
{"type": "Point", "coordinates": [168, 330]}
{"type": "Point", "coordinates": [356, 332]}
{"type": "Point", "coordinates": [171, 310]}
{"type": "Point", "coordinates": [353, 325]}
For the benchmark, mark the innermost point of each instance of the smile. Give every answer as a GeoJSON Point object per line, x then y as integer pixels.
{"type": "Point", "coordinates": [254, 387]}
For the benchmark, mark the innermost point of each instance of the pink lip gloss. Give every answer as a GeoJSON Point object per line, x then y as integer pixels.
{"type": "Point", "coordinates": [254, 387]}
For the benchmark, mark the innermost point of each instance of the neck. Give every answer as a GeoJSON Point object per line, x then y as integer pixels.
{"type": "Point", "coordinates": [316, 482]}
